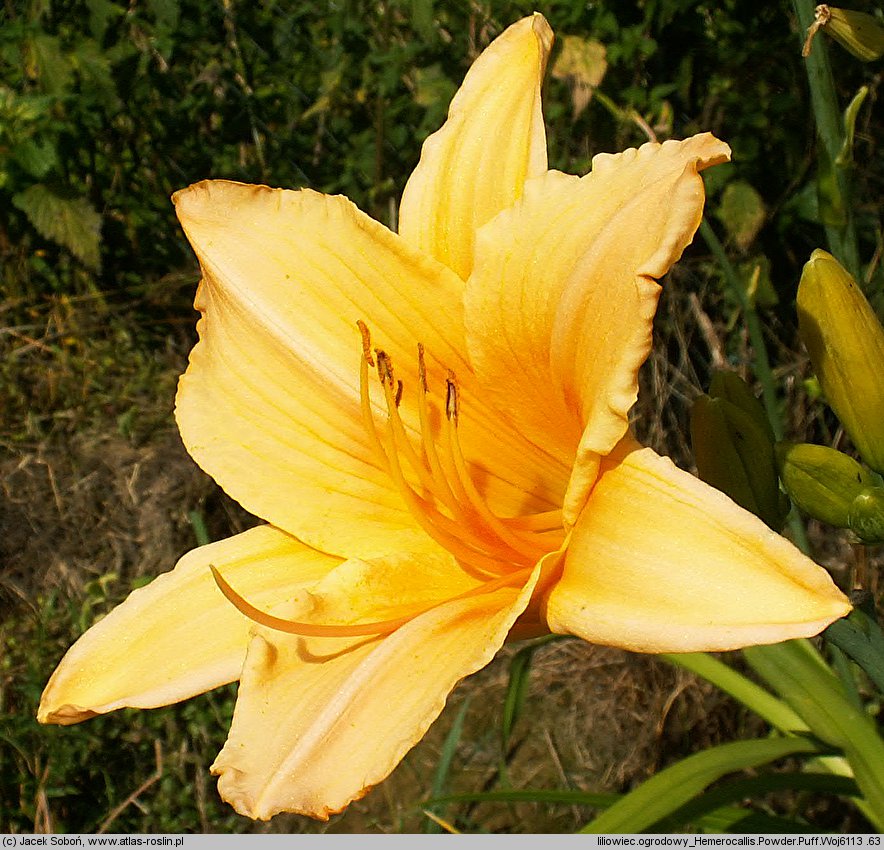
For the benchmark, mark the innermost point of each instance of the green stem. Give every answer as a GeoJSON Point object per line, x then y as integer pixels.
{"type": "Point", "coordinates": [762, 361]}
{"type": "Point", "coordinates": [830, 128]}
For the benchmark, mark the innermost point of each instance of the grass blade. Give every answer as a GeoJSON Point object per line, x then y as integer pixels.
{"type": "Point", "coordinates": [671, 788]}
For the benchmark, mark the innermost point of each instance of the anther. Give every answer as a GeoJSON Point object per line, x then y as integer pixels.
{"type": "Point", "coordinates": [366, 342]}
{"type": "Point", "coordinates": [451, 397]}
{"type": "Point", "coordinates": [422, 367]}
{"type": "Point", "coordinates": [385, 367]}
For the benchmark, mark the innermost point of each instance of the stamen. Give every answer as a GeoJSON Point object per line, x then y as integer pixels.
{"type": "Point", "coordinates": [422, 368]}
{"type": "Point", "coordinates": [432, 521]}
{"type": "Point", "coordinates": [365, 399]}
{"type": "Point", "coordinates": [544, 521]}
{"type": "Point", "coordinates": [451, 397]}
{"type": "Point", "coordinates": [444, 501]}
{"type": "Point", "coordinates": [366, 342]}
{"type": "Point", "coordinates": [429, 445]}
{"type": "Point", "coordinates": [294, 627]}
{"type": "Point", "coordinates": [385, 367]}
{"type": "Point", "coordinates": [401, 441]}
{"type": "Point", "coordinates": [464, 483]}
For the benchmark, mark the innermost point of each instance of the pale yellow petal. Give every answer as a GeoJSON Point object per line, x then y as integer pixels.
{"type": "Point", "coordinates": [561, 300]}
{"type": "Point", "coordinates": [178, 636]}
{"type": "Point", "coordinates": [476, 164]}
{"type": "Point", "coordinates": [319, 721]}
{"type": "Point", "coordinates": [661, 562]}
{"type": "Point", "coordinates": [269, 405]}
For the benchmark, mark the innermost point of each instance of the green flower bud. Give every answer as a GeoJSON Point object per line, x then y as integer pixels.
{"type": "Point", "coordinates": [822, 482]}
{"type": "Point", "coordinates": [866, 515]}
{"type": "Point", "coordinates": [734, 453]}
{"type": "Point", "coordinates": [731, 387]}
{"type": "Point", "coordinates": [857, 32]}
{"type": "Point", "coordinates": [845, 342]}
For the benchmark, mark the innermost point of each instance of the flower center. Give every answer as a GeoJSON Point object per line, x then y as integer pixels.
{"type": "Point", "coordinates": [436, 485]}
{"type": "Point", "coordinates": [439, 491]}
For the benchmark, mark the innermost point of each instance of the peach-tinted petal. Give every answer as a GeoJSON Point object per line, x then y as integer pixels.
{"type": "Point", "coordinates": [561, 300]}
{"type": "Point", "coordinates": [476, 164]}
{"type": "Point", "coordinates": [319, 721]}
{"type": "Point", "coordinates": [661, 562]}
{"type": "Point", "coordinates": [269, 405]}
{"type": "Point", "coordinates": [178, 636]}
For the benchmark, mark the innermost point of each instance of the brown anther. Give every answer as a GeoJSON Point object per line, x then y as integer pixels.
{"type": "Point", "coordinates": [422, 367]}
{"type": "Point", "coordinates": [385, 367]}
{"type": "Point", "coordinates": [366, 342]}
{"type": "Point", "coordinates": [451, 397]}
{"type": "Point", "coordinates": [398, 392]}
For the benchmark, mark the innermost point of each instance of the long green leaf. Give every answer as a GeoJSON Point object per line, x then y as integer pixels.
{"type": "Point", "coordinates": [671, 788]}
{"type": "Point", "coordinates": [743, 821]}
{"type": "Point", "coordinates": [753, 696]}
{"type": "Point", "coordinates": [446, 757]}
{"type": "Point", "coordinates": [532, 795]}
{"type": "Point", "coordinates": [517, 687]}
{"type": "Point", "coordinates": [797, 671]}
{"type": "Point", "coordinates": [753, 788]}
{"type": "Point", "coordinates": [859, 636]}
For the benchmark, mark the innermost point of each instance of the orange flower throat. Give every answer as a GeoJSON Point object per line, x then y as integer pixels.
{"type": "Point", "coordinates": [441, 496]}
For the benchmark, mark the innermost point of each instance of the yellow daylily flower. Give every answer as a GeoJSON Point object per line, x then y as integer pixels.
{"type": "Point", "coordinates": [434, 425]}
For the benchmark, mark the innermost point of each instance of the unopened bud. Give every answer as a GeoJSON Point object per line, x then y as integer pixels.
{"type": "Point", "coordinates": [861, 34]}
{"type": "Point", "coordinates": [822, 482]}
{"type": "Point", "coordinates": [731, 387]}
{"type": "Point", "coordinates": [734, 453]}
{"type": "Point", "coordinates": [845, 342]}
{"type": "Point", "coordinates": [866, 517]}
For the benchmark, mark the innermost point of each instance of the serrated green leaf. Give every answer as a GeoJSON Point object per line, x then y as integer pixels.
{"type": "Point", "coordinates": [36, 156]}
{"type": "Point", "coordinates": [167, 14]}
{"type": "Point", "coordinates": [101, 13]}
{"type": "Point", "coordinates": [50, 64]}
{"type": "Point", "coordinates": [70, 222]}
{"type": "Point", "coordinates": [742, 212]}
{"type": "Point", "coordinates": [422, 19]}
{"type": "Point", "coordinates": [94, 68]}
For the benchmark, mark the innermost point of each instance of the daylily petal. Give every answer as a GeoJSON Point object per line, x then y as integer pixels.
{"type": "Point", "coordinates": [661, 562]}
{"type": "Point", "coordinates": [269, 405]}
{"type": "Point", "coordinates": [321, 720]}
{"type": "Point", "coordinates": [561, 300]}
{"type": "Point", "coordinates": [494, 139]}
{"type": "Point", "coordinates": [178, 636]}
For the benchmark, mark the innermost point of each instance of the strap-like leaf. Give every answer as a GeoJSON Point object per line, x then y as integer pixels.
{"type": "Point", "coordinates": [671, 788]}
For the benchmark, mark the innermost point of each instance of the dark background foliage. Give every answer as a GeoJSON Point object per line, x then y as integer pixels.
{"type": "Point", "coordinates": [109, 108]}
